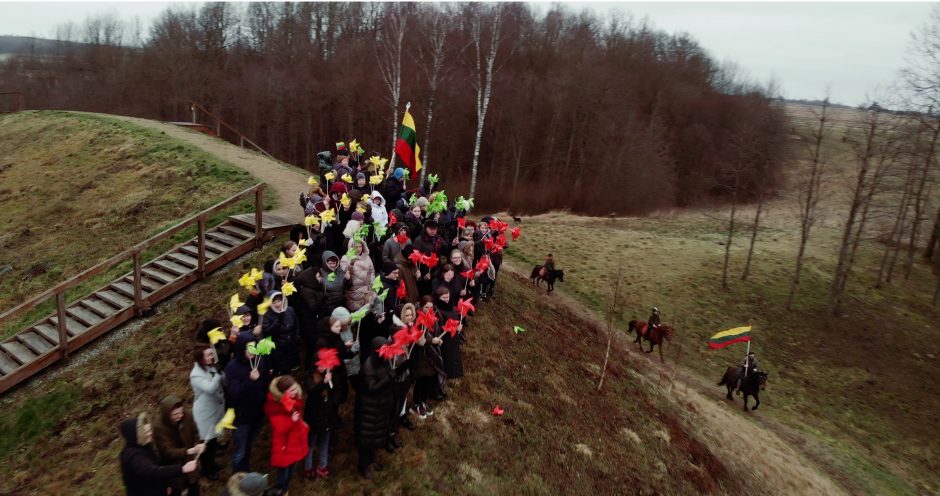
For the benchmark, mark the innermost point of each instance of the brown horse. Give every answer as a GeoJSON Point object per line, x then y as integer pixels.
{"type": "Point", "coordinates": [655, 337]}
{"type": "Point", "coordinates": [751, 384]}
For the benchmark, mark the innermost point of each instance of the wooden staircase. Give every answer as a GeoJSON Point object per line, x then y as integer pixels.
{"type": "Point", "coordinates": [76, 324]}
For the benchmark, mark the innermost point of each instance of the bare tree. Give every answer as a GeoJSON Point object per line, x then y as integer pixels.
{"type": "Point", "coordinates": [388, 51]}
{"type": "Point", "coordinates": [730, 237]}
{"type": "Point", "coordinates": [809, 194]}
{"type": "Point", "coordinates": [898, 228]}
{"type": "Point", "coordinates": [485, 71]}
{"type": "Point", "coordinates": [920, 198]}
{"type": "Point", "coordinates": [431, 60]}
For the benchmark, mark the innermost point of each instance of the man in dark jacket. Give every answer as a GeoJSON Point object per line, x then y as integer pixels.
{"type": "Point", "coordinates": [247, 389]}
{"type": "Point", "coordinates": [142, 474]}
{"type": "Point", "coordinates": [177, 439]}
{"type": "Point", "coordinates": [280, 324]}
{"type": "Point", "coordinates": [372, 409]}
{"type": "Point", "coordinates": [310, 304]}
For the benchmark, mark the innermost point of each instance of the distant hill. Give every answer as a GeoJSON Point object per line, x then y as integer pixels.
{"type": "Point", "coordinates": [27, 44]}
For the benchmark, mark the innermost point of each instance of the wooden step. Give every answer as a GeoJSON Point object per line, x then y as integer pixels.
{"type": "Point", "coordinates": [72, 327]}
{"type": "Point", "coordinates": [159, 276]}
{"type": "Point", "coordinates": [35, 342]}
{"type": "Point", "coordinates": [87, 318]}
{"type": "Point", "coordinates": [224, 238]}
{"type": "Point", "coordinates": [194, 251]}
{"type": "Point", "coordinates": [184, 260]}
{"type": "Point", "coordinates": [147, 285]}
{"type": "Point", "coordinates": [216, 247]}
{"type": "Point", "coordinates": [48, 331]}
{"type": "Point", "coordinates": [237, 231]}
{"type": "Point", "coordinates": [124, 288]}
{"type": "Point", "coordinates": [115, 299]}
{"type": "Point", "coordinates": [99, 307]}
{"type": "Point", "coordinates": [7, 364]}
{"type": "Point", "coordinates": [19, 352]}
{"type": "Point", "coordinates": [172, 267]}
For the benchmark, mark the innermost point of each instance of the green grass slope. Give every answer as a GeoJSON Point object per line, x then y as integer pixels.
{"type": "Point", "coordinates": [76, 189]}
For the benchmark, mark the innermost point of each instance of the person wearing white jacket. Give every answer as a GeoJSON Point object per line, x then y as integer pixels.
{"type": "Point", "coordinates": [208, 405]}
{"type": "Point", "coordinates": [379, 211]}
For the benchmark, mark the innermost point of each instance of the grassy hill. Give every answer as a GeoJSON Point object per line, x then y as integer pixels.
{"type": "Point", "coordinates": [87, 187]}
{"type": "Point", "coordinates": [857, 393]}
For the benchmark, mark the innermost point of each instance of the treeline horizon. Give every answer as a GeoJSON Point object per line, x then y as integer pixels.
{"type": "Point", "coordinates": [595, 115]}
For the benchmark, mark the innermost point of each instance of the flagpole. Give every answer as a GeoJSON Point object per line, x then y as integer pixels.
{"type": "Point", "coordinates": [747, 358]}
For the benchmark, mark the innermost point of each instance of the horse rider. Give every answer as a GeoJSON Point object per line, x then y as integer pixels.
{"type": "Point", "coordinates": [654, 321]}
{"type": "Point", "coordinates": [548, 266]}
{"type": "Point", "coordinates": [749, 364]}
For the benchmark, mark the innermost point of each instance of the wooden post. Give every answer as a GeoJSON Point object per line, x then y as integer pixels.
{"type": "Point", "coordinates": [138, 289]}
{"type": "Point", "coordinates": [218, 128]}
{"type": "Point", "coordinates": [259, 206]}
{"type": "Point", "coordinates": [192, 107]}
{"type": "Point", "coordinates": [202, 247]}
{"type": "Point", "coordinates": [63, 333]}
{"type": "Point", "coordinates": [22, 100]}
{"type": "Point", "coordinates": [241, 141]}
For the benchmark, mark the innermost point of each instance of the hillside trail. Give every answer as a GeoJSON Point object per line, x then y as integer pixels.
{"type": "Point", "coordinates": [759, 451]}
{"type": "Point", "coordinates": [283, 180]}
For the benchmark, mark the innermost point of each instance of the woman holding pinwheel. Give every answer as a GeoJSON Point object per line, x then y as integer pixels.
{"type": "Point", "coordinates": [322, 412]}
{"type": "Point", "coordinates": [208, 405]}
{"type": "Point", "coordinates": [246, 378]}
{"type": "Point", "coordinates": [451, 325]}
{"type": "Point", "coordinates": [280, 324]}
{"type": "Point", "coordinates": [426, 356]}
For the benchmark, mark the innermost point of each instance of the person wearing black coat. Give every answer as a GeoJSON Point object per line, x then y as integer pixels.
{"type": "Point", "coordinates": [280, 324]}
{"type": "Point", "coordinates": [322, 415]}
{"type": "Point", "coordinates": [328, 337]}
{"type": "Point", "coordinates": [450, 348]}
{"type": "Point", "coordinates": [310, 303]}
{"type": "Point", "coordinates": [142, 473]}
{"type": "Point", "coordinates": [373, 402]}
{"type": "Point", "coordinates": [247, 389]}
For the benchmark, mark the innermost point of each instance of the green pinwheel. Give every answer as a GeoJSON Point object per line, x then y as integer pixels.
{"type": "Point", "coordinates": [358, 314]}
{"type": "Point", "coordinates": [377, 284]}
{"type": "Point", "coordinates": [331, 277]}
{"type": "Point", "coordinates": [413, 200]}
{"type": "Point", "coordinates": [464, 204]}
{"type": "Point", "coordinates": [261, 348]}
{"type": "Point", "coordinates": [379, 230]}
{"type": "Point", "coordinates": [433, 179]}
{"type": "Point", "coordinates": [517, 329]}
{"type": "Point", "coordinates": [439, 204]}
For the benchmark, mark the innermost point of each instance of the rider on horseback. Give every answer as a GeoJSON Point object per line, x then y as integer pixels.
{"type": "Point", "coordinates": [749, 363]}
{"type": "Point", "coordinates": [547, 267]}
{"type": "Point", "coordinates": [654, 321]}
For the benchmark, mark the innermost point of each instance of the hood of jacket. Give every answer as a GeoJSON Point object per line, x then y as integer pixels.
{"type": "Point", "coordinates": [271, 295]}
{"type": "Point", "coordinates": [376, 194]}
{"type": "Point", "coordinates": [328, 255]}
{"type": "Point", "coordinates": [132, 429]}
{"type": "Point", "coordinates": [167, 405]}
{"type": "Point", "coordinates": [365, 247]}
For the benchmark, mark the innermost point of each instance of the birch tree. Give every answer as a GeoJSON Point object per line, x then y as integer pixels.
{"type": "Point", "coordinates": [388, 50]}
{"type": "Point", "coordinates": [809, 195]}
{"type": "Point", "coordinates": [431, 57]}
{"type": "Point", "coordinates": [484, 71]}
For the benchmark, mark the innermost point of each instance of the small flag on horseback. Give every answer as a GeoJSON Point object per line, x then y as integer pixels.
{"type": "Point", "coordinates": [729, 337]}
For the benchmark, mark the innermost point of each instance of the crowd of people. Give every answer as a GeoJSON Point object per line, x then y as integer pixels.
{"type": "Point", "coordinates": [368, 303]}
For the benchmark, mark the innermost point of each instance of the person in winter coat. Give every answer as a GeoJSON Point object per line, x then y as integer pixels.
{"type": "Point", "coordinates": [310, 303]}
{"type": "Point", "coordinates": [395, 186]}
{"type": "Point", "coordinates": [390, 282]}
{"type": "Point", "coordinates": [176, 439]}
{"type": "Point", "coordinates": [208, 406]}
{"type": "Point", "coordinates": [395, 243]}
{"type": "Point", "coordinates": [447, 278]}
{"type": "Point", "coordinates": [379, 212]}
{"type": "Point", "coordinates": [330, 336]}
{"type": "Point", "coordinates": [409, 272]}
{"type": "Point", "coordinates": [362, 183]}
{"type": "Point", "coordinates": [450, 347]}
{"type": "Point", "coordinates": [247, 389]}
{"type": "Point", "coordinates": [373, 402]}
{"type": "Point", "coordinates": [403, 377]}
{"type": "Point", "coordinates": [461, 264]}
{"type": "Point", "coordinates": [246, 484]}
{"type": "Point", "coordinates": [142, 473]}
{"type": "Point", "coordinates": [280, 324]}
{"type": "Point", "coordinates": [427, 365]}
{"type": "Point", "coordinates": [322, 415]}
{"type": "Point", "coordinates": [289, 432]}
{"type": "Point", "coordinates": [414, 219]}
{"type": "Point", "coordinates": [335, 282]}
{"type": "Point", "coordinates": [352, 227]}
{"type": "Point", "coordinates": [361, 274]}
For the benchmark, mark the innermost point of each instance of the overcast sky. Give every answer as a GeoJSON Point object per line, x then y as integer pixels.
{"type": "Point", "coordinates": [852, 47]}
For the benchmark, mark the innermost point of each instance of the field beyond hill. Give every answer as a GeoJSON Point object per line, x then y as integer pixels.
{"type": "Point", "coordinates": [76, 189]}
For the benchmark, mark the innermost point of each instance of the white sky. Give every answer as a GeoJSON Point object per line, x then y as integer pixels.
{"type": "Point", "coordinates": [852, 47]}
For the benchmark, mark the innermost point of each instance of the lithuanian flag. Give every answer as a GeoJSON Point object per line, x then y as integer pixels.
{"type": "Point", "coordinates": [407, 145]}
{"type": "Point", "coordinates": [729, 337]}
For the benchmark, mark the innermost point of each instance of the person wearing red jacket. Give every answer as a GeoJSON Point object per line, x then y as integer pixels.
{"type": "Point", "coordinates": [289, 432]}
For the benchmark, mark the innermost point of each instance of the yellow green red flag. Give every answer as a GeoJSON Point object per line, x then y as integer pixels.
{"type": "Point", "coordinates": [729, 337]}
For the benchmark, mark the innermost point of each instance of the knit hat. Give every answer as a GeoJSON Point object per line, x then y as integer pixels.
{"type": "Point", "coordinates": [253, 484]}
{"type": "Point", "coordinates": [358, 216]}
{"type": "Point", "coordinates": [360, 176]}
{"type": "Point", "coordinates": [431, 223]}
{"type": "Point", "coordinates": [422, 202]}
{"type": "Point", "coordinates": [341, 313]}
{"type": "Point", "coordinates": [388, 268]}
{"type": "Point", "coordinates": [399, 173]}
{"type": "Point", "coordinates": [399, 227]}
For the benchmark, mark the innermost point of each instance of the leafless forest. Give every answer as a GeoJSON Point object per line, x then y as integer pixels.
{"type": "Point", "coordinates": [556, 110]}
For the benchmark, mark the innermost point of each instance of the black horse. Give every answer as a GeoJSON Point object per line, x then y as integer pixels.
{"type": "Point", "coordinates": [549, 278]}
{"type": "Point", "coordinates": [751, 384]}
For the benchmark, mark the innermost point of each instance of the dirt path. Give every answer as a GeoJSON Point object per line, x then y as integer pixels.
{"type": "Point", "coordinates": [283, 180]}
{"type": "Point", "coordinates": [760, 457]}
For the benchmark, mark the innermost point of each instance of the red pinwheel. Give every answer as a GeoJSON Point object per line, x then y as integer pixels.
{"type": "Point", "coordinates": [516, 232]}
{"type": "Point", "coordinates": [392, 220]}
{"type": "Point", "coordinates": [469, 274]}
{"type": "Point", "coordinates": [465, 306]}
{"type": "Point", "coordinates": [483, 264]}
{"type": "Point", "coordinates": [430, 260]}
{"type": "Point", "coordinates": [415, 333]}
{"type": "Point", "coordinates": [501, 240]}
{"type": "Point", "coordinates": [402, 336]}
{"type": "Point", "coordinates": [402, 238]}
{"type": "Point", "coordinates": [288, 402]}
{"type": "Point", "coordinates": [327, 358]}
{"type": "Point", "coordinates": [416, 257]}
{"type": "Point", "coordinates": [427, 319]}
{"type": "Point", "coordinates": [461, 222]}
{"type": "Point", "coordinates": [498, 225]}
{"type": "Point", "coordinates": [389, 351]}
{"type": "Point", "coordinates": [402, 292]}
{"type": "Point", "coordinates": [489, 244]}
{"type": "Point", "coordinates": [497, 411]}
{"type": "Point", "coordinates": [451, 327]}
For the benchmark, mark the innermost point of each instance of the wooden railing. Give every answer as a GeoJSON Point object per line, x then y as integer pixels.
{"type": "Point", "coordinates": [58, 291]}
{"type": "Point", "coordinates": [216, 123]}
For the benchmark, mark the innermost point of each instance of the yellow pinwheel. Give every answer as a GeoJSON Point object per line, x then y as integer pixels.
{"type": "Point", "coordinates": [263, 306]}
{"type": "Point", "coordinates": [256, 275]}
{"type": "Point", "coordinates": [311, 220]}
{"type": "Point", "coordinates": [288, 289]}
{"type": "Point", "coordinates": [328, 215]}
{"type": "Point", "coordinates": [236, 321]}
{"type": "Point", "coordinates": [374, 159]}
{"type": "Point", "coordinates": [345, 200]}
{"type": "Point", "coordinates": [234, 303]}
{"type": "Point", "coordinates": [330, 176]}
{"type": "Point", "coordinates": [354, 145]}
{"type": "Point", "coordinates": [375, 180]}
{"type": "Point", "coordinates": [312, 181]}
{"type": "Point", "coordinates": [215, 335]}
{"type": "Point", "coordinates": [300, 256]}
{"type": "Point", "coordinates": [361, 209]}
{"type": "Point", "coordinates": [290, 263]}
{"type": "Point", "coordinates": [227, 422]}
{"type": "Point", "coordinates": [347, 178]}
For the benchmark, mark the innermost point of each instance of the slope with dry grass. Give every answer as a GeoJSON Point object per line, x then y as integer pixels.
{"type": "Point", "coordinates": [76, 189]}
